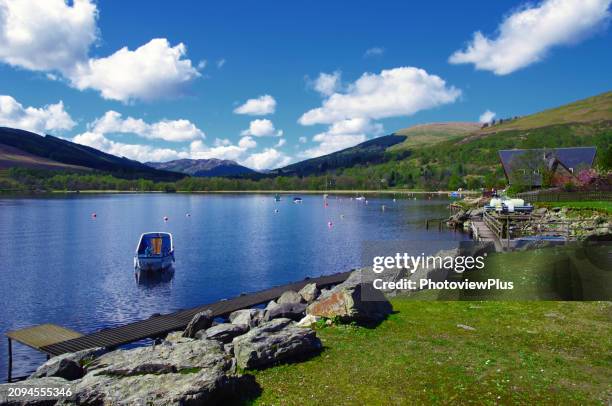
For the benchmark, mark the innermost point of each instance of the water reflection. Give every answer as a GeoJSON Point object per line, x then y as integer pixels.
{"type": "Point", "coordinates": [152, 279]}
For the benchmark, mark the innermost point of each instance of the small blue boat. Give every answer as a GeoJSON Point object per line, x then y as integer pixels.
{"type": "Point", "coordinates": [155, 252]}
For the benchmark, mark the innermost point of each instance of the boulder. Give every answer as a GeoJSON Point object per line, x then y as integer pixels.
{"type": "Point", "coordinates": [290, 297]}
{"type": "Point", "coordinates": [275, 341]}
{"type": "Point", "coordinates": [201, 321]}
{"type": "Point", "coordinates": [68, 366]}
{"type": "Point", "coordinates": [309, 292]}
{"type": "Point", "coordinates": [194, 372]}
{"type": "Point", "coordinates": [308, 321]}
{"type": "Point", "coordinates": [353, 300]}
{"type": "Point", "coordinates": [176, 337]}
{"type": "Point", "coordinates": [248, 317]}
{"type": "Point", "coordinates": [224, 333]}
{"type": "Point", "coordinates": [271, 304]}
{"type": "Point", "coordinates": [63, 368]}
{"type": "Point", "coordinates": [293, 311]}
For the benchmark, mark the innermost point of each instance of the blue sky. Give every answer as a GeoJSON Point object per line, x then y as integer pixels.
{"type": "Point", "coordinates": [322, 75]}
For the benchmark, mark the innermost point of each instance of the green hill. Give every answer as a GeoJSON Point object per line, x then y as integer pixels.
{"type": "Point", "coordinates": [429, 134]}
{"type": "Point", "coordinates": [44, 152]}
{"type": "Point", "coordinates": [589, 110]}
{"type": "Point", "coordinates": [448, 160]}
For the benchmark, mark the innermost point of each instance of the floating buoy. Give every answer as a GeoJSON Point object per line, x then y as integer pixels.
{"type": "Point", "coordinates": [94, 215]}
{"type": "Point", "coordinates": [275, 210]}
{"type": "Point", "coordinates": [383, 207]}
{"type": "Point", "coordinates": [326, 204]}
{"type": "Point", "coordinates": [187, 215]}
{"type": "Point", "coordinates": [165, 218]}
{"type": "Point", "coordinates": [342, 216]}
{"type": "Point", "coordinates": [330, 224]}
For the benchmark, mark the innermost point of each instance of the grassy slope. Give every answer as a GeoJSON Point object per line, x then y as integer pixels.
{"type": "Point", "coordinates": [14, 157]}
{"type": "Point", "coordinates": [520, 353]}
{"type": "Point", "coordinates": [429, 134]}
{"type": "Point", "coordinates": [596, 108]}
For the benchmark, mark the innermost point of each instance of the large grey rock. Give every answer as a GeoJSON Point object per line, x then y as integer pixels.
{"type": "Point", "coordinates": [309, 292]}
{"type": "Point", "coordinates": [293, 311]}
{"type": "Point", "coordinates": [201, 321]}
{"type": "Point", "coordinates": [353, 300]}
{"type": "Point", "coordinates": [248, 317]}
{"type": "Point", "coordinates": [289, 297]}
{"type": "Point", "coordinates": [68, 366]}
{"type": "Point", "coordinates": [194, 372]}
{"type": "Point", "coordinates": [275, 341]}
{"type": "Point", "coordinates": [224, 333]}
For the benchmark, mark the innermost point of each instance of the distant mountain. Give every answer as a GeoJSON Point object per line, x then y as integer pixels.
{"type": "Point", "coordinates": [367, 153]}
{"type": "Point", "coordinates": [25, 149]}
{"type": "Point", "coordinates": [204, 167]}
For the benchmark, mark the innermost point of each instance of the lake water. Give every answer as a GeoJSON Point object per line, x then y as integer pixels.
{"type": "Point", "coordinates": [60, 265]}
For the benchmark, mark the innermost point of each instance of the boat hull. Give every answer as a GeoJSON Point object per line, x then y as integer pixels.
{"type": "Point", "coordinates": [153, 263]}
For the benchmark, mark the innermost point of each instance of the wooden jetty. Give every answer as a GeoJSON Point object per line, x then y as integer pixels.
{"type": "Point", "coordinates": [55, 340]}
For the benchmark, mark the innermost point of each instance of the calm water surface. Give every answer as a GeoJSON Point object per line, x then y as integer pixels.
{"type": "Point", "coordinates": [60, 265]}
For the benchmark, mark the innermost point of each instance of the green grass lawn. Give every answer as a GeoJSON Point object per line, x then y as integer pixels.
{"type": "Point", "coordinates": [519, 353]}
{"type": "Point", "coordinates": [604, 206]}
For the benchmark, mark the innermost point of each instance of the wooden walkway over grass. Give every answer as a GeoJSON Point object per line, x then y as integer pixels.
{"type": "Point", "coordinates": [156, 326]}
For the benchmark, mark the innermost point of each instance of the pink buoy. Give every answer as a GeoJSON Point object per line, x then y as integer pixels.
{"type": "Point", "coordinates": [94, 215]}
{"type": "Point", "coordinates": [330, 224]}
{"type": "Point", "coordinates": [165, 218]}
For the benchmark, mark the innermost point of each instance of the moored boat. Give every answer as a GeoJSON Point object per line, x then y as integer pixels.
{"type": "Point", "coordinates": [154, 252]}
{"type": "Point", "coordinates": [297, 200]}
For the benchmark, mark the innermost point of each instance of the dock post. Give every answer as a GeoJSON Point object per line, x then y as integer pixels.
{"type": "Point", "coordinates": [10, 360]}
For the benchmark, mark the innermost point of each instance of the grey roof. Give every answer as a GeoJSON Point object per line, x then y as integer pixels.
{"type": "Point", "coordinates": [574, 158]}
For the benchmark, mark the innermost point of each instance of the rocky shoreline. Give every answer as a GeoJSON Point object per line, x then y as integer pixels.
{"type": "Point", "coordinates": [208, 362]}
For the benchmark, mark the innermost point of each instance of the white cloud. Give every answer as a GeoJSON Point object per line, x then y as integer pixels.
{"type": "Point", "coordinates": [280, 143]}
{"type": "Point", "coordinates": [343, 134]}
{"type": "Point", "coordinates": [152, 71]}
{"type": "Point", "coordinates": [142, 153]}
{"type": "Point", "coordinates": [327, 83]}
{"type": "Point", "coordinates": [267, 159]}
{"type": "Point", "coordinates": [487, 116]}
{"type": "Point", "coordinates": [46, 35]}
{"type": "Point", "coordinates": [262, 128]}
{"type": "Point", "coordinates": [260, 106]}
{"type": "Point", "coordinates": [51, 117]}
{"type": "Point", "coordinates": [396, 92]}
{"type": "Point", "coordinates": [374, 51]}
{"type": "Point", "coordinates": [202, 64]}
{"type": "Point", "coordinates": [527, 35]}
{"type": "Point", "coordinates": [302, 140]}
{"type": "Point", "coordinates": [247, 142]}
{"type": "Point", "coordinates": [220, 63]}
{"type": "Point", "coordinates": [55, 36]}
{"type": "Point", "coordinates": [168, 130]}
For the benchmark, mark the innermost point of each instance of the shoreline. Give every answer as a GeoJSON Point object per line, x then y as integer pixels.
{"type": "Point", "coordinates": [284, 192]}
